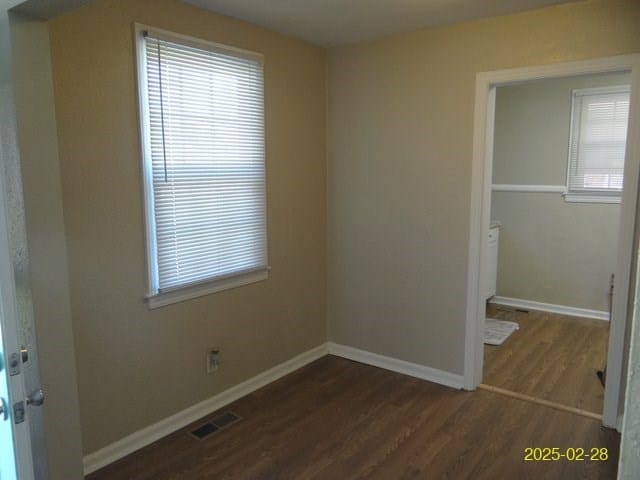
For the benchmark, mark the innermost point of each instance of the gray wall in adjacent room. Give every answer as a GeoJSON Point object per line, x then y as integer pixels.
{"type": "Point", "coordinates": [550, 251]}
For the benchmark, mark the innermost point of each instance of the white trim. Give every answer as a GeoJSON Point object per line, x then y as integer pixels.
{"type": "Point", "coordinates": [169, 36]}
{"type": "Point", "coordinates": [146, 174]}
{"type": "Point", "coordinates": [515, 76]}
{"type": "Point", "coordinates": [399, 366]}
{"type": "Point", "coordinates": [140, 439]}
{"type": "Point", "coordinates": [586, 198]}
{"type": "Point", "coordinates": [627, 256]}
{"type": "Point", "coordinates": [152, 433]}
{"type": "Point", "coordinates": [584, 92]}
{"type": "Point", "coordinates": [479, 217]}
{"type": "Point", "coordinates": [156, 297]}
{"type": "Point", "coordinates": [550, 307]}
{"type": "Point", "coordinates": [186, 293]}
{"type": "Point", "coordinates": [506, 187]}
{"type": "Point", "coordinates": [619, 423]}
{"type": "Point", "coordinates": [480, 206]}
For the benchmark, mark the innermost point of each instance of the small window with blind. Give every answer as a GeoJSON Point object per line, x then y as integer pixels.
{"type": "Point", "coordinates": [598, 139]}
{"type": "Point", "coordinates": [203, 159]}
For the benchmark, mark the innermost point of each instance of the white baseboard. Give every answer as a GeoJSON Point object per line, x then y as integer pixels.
{"type": "Point", "coordinates": [395, 365]}
{"type": "Point", "coordinates": [150, 434]}
{"type": "Point", "coordinates": [549, 307]}
{"type": "Point", "coordinates": [137, 440]}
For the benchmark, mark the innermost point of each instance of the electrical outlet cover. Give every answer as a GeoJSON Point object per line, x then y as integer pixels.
{"type": "Point", "coordinates": [212, 360]}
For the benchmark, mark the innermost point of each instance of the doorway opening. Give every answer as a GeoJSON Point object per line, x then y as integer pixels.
{"type": "Point", "coordinates": [487, 88]}
{"type": "Point", "coordinates": [557, 171]}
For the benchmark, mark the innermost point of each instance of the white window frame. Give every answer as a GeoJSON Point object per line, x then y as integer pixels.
{"type": "Point", "coordinates": [154, 297]}
{"type": "Point", "coordinates": [589, 196]}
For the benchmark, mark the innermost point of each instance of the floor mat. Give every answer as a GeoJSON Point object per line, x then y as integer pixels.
{"type": "Point", "coordinates": [497, 331]}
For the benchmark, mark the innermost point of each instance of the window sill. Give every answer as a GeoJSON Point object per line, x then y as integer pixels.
{"type": "Point", "coordinates": [586, 198]}
{"type": "Point", "coordinates": [181, 294]}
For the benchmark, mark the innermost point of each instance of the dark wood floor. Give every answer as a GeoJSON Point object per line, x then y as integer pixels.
{"type": "Point", "coordinates": [552, 357]}
{"type": "Point", "coordinates": [336, 419]}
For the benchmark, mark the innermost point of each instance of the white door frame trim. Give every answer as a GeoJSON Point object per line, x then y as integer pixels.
{"type": "Point", "coordinates": [480, 209]}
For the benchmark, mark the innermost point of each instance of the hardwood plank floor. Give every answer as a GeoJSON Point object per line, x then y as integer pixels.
{"type": "Point", "coordinates": [552, 357]}
{"type": "Point", "coordinates": [338, 419]}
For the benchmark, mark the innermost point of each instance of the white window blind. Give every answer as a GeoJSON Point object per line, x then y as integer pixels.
{"type": "Point", "coordinates": [204, 162]}
{"type": "Point", "coordinates": [598, 138]}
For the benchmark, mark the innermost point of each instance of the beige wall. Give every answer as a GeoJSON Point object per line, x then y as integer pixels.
{"type": "Point", "coordinates": [46, 243]}
{"type": "Point", "coordinates": [551, 251]}
{"type": "Point", "coordinates": [400, 116]}
{"type": "Point", "coordinates": [399, 173]}
{"type": "Point", "coordinates": [135, 366]}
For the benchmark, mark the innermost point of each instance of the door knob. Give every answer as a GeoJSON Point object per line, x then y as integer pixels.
{"type": "Point", "coordinates": [4, 410]}
{"type": "Point", "coordinates": [36, 398]}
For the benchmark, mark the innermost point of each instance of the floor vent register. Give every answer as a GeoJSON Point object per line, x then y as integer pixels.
{"type": "Point", "coordinates": [214, 425]}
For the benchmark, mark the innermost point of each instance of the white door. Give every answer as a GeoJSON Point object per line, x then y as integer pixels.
{"type": "Point", "coordinates": [23, 416]}
{"type": "Point", "coordinates": [7, 451]}
{"type": "Point", "coordinates": [16, 460]}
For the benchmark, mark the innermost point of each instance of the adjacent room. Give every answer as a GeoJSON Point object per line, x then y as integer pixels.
{"type": "Point", "coordinates": [558, 163]}
{"type": "Point", "coordinates": [246, 239]}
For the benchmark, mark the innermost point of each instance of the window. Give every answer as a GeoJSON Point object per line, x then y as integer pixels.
{"type": "Point", "coordinates": [597, 144]}
{"type": "Point", "coordinates": [202, 128]}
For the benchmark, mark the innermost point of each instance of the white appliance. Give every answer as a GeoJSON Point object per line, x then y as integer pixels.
{"type": "Point", "coordinates": [491, 272]}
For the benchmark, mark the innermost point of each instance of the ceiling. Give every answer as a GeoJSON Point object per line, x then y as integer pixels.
{"type": "Point", "coordinates": [47, 8]}
{"type": "Point", "coordinates": [331, 23]}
